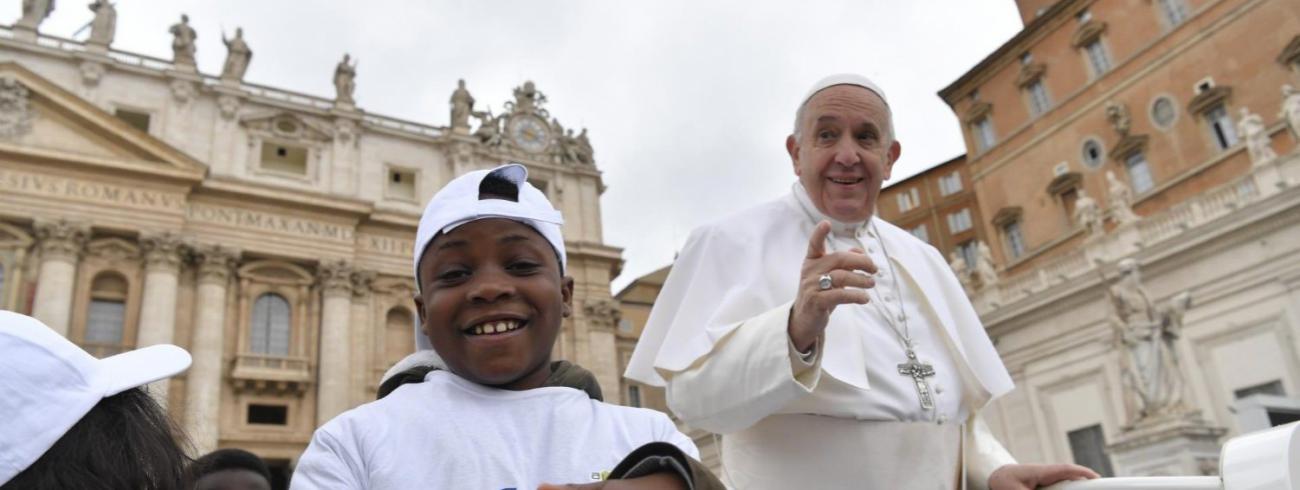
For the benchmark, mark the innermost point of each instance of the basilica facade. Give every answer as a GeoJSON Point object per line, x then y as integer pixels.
{"type": "Point", "coordinates": [267, 232]}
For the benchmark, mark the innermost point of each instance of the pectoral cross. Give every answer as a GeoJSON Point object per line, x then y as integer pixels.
{"type": "Point", "coordinates": [918, 371]}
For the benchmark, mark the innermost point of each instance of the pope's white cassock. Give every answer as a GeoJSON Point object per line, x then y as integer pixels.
{"type": "Point", "coordinates": [841, 416]}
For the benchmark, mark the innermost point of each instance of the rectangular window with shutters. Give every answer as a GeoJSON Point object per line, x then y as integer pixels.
{"type": "Point", "coordinates": [1175, 11]}
{"type": "Point", "coordinates": [1222, 130]}
{"type": "Point", "coordinates": [1015, 239]}
{"type": "Point", "coordinates": [1139, 173]}
{"type": "Point", "coordinates": [950, 184]}
{"type": "Point", "coordinates": [920, 232]}
{"type": "Point", "coordinates": [1038, 100]}
{"type": "Point", "coordinates": [983, 133]}
{"type": "Point", "coordinates": [1098, 58]}
{"type": "Point", "coordinates": [908, 200]}
{"type": "Point", "coordinates": [968, 252]}
{"type": "Point", "coordinates": [959, 221]}
{"type": "Point", "coordinates": [1088, 445]}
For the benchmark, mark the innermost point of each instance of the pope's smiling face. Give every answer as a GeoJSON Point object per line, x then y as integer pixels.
{"type": "Point", "coordinates": [843, 151]}
{"type": "Point", "coordinates": [492, 301]}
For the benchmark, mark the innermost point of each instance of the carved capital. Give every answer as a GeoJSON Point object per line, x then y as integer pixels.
{"type": "Point", "coordinates": [363, 283]}
{"type": "Point", "coordinates": [92, 72]}
{"type": "Point", "coordinates": [162, 250]}
{"type": "Point", "coordinates": [602, 313]}
{"type": "Point", "coordinates": [183, 91]}
{"type": "Point", "coordinates": [229, 105]}
{"type": "Point", "coordinates": [335, 277]}
{"type": "Point", "coordinates": [61, 239]}
{"type": "Point", "coordinates": [215, 262]}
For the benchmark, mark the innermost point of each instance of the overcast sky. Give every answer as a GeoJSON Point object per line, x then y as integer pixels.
{"type": "Point", "coordinates": [688, 101]}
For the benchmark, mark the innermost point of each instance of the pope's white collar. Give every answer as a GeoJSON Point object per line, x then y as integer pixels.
{"type": "Point", "coordinates": [838, 228]}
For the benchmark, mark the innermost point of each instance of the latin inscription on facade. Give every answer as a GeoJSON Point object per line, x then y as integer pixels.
{"type": "Point", "coordinates": [256, 220]}
{"type": "Point", "coordinates": [87, 190]}
{"type": "Point", "coordinates": [387, 245]}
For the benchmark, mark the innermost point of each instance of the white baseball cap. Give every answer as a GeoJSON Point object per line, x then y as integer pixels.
{"type": "Point", "coordinates": [47, 384]}
{"type": "Point", "coordinates": [458, 203]}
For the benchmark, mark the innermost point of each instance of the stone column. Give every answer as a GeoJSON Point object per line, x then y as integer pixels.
{"type": "Point", "coordinates": [362, 338]}
{"type": "Point", "coordinates": [61, 244]}
{"type": "Point", "coordinates": [203, 386]}
{"type": "Point", "coordinates": [162, 253]}
{"type": "Point", "coordinates": [335, 374]}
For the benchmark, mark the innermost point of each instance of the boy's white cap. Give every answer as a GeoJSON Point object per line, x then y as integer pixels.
{"type": "Point", "coordinates": [48, 383]}
{"type": "Point", "coordinates": [458, 203]}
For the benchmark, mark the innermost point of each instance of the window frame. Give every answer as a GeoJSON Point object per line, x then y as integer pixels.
{"type": "Point", "coordinates": [270, 333]}
{"type": "Point", "coordinates": [1223, 133]}
{"type": "Point", "coordinates": [983, 134]}
{"type": "Point", "coordinates": [950, 184]}
{"type": "Point", "coordinates": [1096, 54]}
{"type": "Point", "coordinates": [1146, 175]}
{"type": "Point", "coordinates": [1039, 100]}
{"type": "Point", "coordinates": [961, 216]}
{"type": "Point", "coordinates": [1014, 243]}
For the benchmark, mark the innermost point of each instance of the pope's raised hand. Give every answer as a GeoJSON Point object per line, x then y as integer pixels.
{"type": "Point", "coordinates": [814, 303]}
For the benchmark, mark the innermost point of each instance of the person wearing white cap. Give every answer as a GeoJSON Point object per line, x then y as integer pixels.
{"type": "Point", "coordinates": [68, 420]}
{"type": "Point", "coordinates": [490, 268]}
{"type": "Point", "coordinates": [832, 349]}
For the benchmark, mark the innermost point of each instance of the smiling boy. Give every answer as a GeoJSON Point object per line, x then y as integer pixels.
{"type": "Point", "coordinates": [490, 267]}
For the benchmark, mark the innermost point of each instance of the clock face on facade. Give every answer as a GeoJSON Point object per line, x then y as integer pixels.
{"type": "Point", "coordinates": [529, 133]}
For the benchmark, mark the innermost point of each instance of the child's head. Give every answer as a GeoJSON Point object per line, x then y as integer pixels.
{"type": "Point", "coordinates": [490, 270]}
{"type": "Point", "coordinates": [230, 469]}
{"type": "Point", "coordinates": [73, 421]}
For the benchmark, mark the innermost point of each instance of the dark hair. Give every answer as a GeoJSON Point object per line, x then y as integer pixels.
{"type": "Point", "coordinates": [228, 459]}
{"type": "Point", "coordinates": [125, 441]}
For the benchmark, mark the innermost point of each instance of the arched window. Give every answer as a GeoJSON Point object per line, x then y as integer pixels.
{"type": "Point", "coordinates": [398, 338]}
{"type": "Point", "coordinates": [270, 332]}
{"type": "Point", "coordinates": [107, 311]}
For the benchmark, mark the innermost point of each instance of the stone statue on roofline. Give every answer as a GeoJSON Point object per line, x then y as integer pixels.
{"type": "Point", "coordinates": [1088, 214]}
{"type": "Point", "coordinates": [183, 48]}
{"type": "Point", "coordinates": [345, 76]}
{"type": "Point", "coordinates": [34, 13]}
{"type": "Point", "coordinates": [1147, 334]}
{"type": "Point", "coordinates": [462, 107]}
{"type": "Point", "coordinates": [1291, 109]}
{"type": "Point", "coordinates": [238, 56]}
{"type": "Point", "coordinates": [1120, 199]}
{"type": "Point", "coordinates": [103, 28]}
{"type": "Point", "coordinates": [586, 154]}
{"type": "Point", "coordinates": [1255, 134]}
{"type": "Point", "coordinates": [489, 128]}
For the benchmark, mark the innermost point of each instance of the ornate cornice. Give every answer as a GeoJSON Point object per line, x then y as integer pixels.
{"type": "Point", "coordinates": [1065, 182]}
{"type": "Point", "coordinates": [977, 111]}
{"type": "Point", "coordinates": [1007, 215]}
{"type": "Point", "coordinates": [1087, 33]}
{"type": "Point", "coordinates": [1030, 73]}
{"type": "Point", "coordinates": [1128, 145]}
{"type": "Point", "coordinates": [162, 250]}
{"type": "Point", "coordinates": [1291, 53]}
{"type": "Point", "coordinates": [335, 277]}
{"type": "Point", "coordinates": [61, 239]}
{"type": "Point", "coordinates": [1209, 98]}
{"type": "Point", "coordinates": [215, 262]}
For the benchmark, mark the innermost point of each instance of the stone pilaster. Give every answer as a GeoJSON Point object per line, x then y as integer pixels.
{"type": "Point", "coordinates": [61, 243]}
{"type": "Point", "coordinates": [162, 252]}
{"type": "Point", "coordinates": [602, 316]}
{"type": "Point", "coordinates": [362, 332]}
{"type": "Point", "coordinates": [203, 386]}
{"type": "Point", "coordinates": [335, 374]}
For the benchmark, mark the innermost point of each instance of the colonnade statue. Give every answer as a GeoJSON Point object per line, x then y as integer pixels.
{"type": "Point", "coordinates": [1146, 334]}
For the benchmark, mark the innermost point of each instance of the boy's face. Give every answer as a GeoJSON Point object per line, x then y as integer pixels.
{"type": "Point", "coordinates": [492, 300]}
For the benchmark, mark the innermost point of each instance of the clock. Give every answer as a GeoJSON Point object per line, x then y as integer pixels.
{"type": "Point", "coordinates": [529, 133]}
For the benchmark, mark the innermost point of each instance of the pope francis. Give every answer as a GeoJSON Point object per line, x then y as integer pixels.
{"type": "Point", "coordinates": [832, 349]}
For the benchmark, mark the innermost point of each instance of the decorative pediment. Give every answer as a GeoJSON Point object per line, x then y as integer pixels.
{"type": "Point", "coordinates": [1065, 182]}
{"type": "Point", "coordinates": [52, 124]}
{"type": "Point", "coordinates": [1030, 73]}
{"type": "Point", "coordinates": [113, 249]}
{"type": "Point", "coordinates": [397, 287]}
{"type": "Point", "coordinates": [287, 126]}
{"type": "Point", "coordinates": [1087, 33]}
{"type": "Point", "coordinates": [977, 111]}
{"type": "Point", "coordinates": [1009, 214]}
{"type": "Point", "coordinates": [1291, 53]}
{"type": "Point", "coordinates": [276, 272]}
{"type": "Point", "coordinates": [1129, 145]}
{"type": "Point", "coordinates": [1209, 98]}
{"type": "Point", "coordinates": [13, 236]}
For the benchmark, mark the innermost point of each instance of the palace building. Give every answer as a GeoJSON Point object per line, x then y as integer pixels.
{"type": "Point", "coordinates": [268, 232]}
{"type": "Point", "coordinates": [1134, 168]}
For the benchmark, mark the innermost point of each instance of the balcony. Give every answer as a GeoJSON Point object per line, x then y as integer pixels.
{"type": "Point", "coordinates": [269, 374]}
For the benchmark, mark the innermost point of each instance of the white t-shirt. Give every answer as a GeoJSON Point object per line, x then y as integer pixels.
{"type": "Point", "coordinates": [448, 432]}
